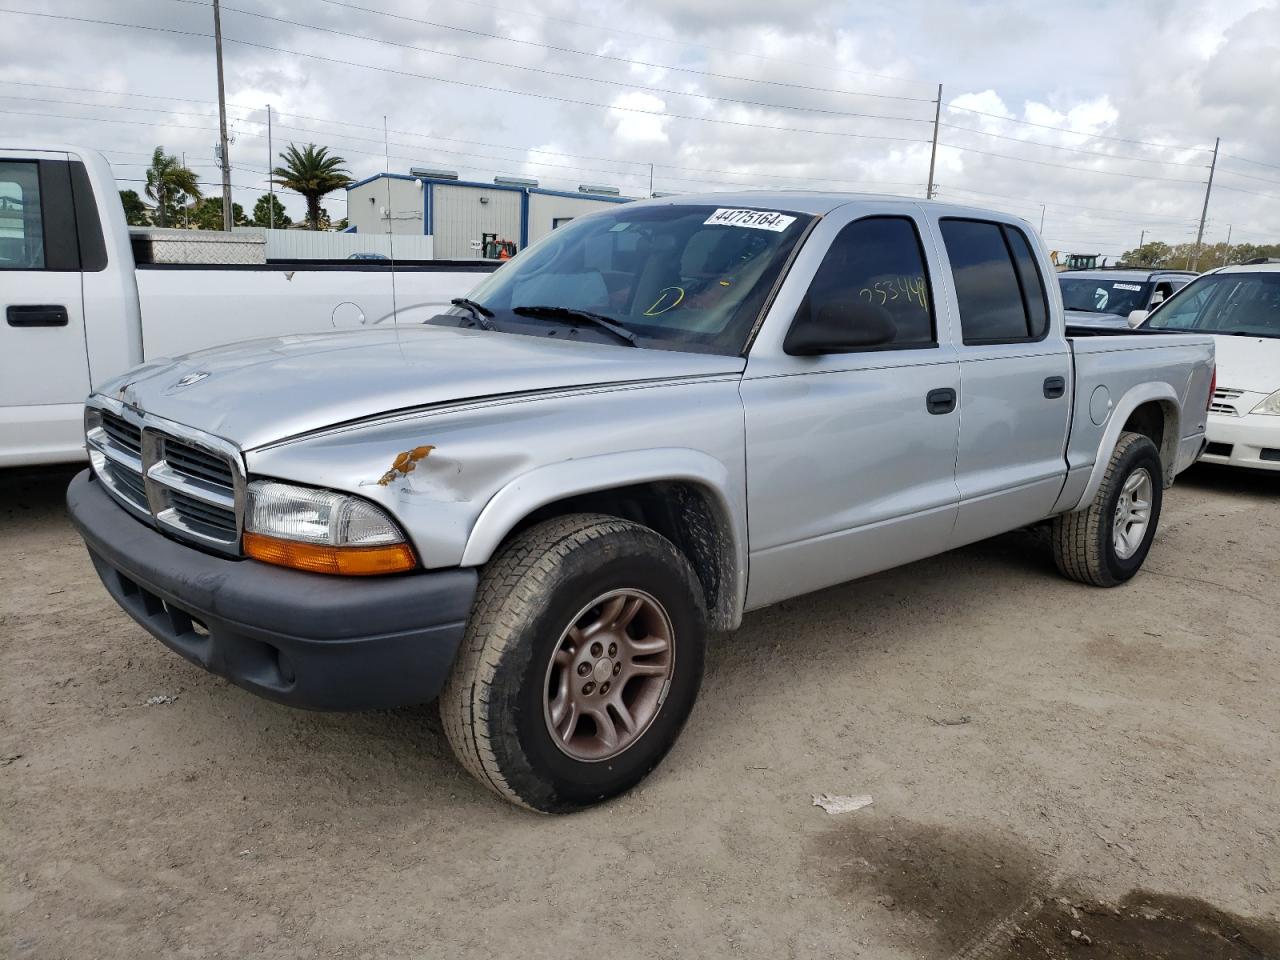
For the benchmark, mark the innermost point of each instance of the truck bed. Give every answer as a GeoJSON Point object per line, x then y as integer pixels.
{"type": "Point", "coordinates": [186, 307]}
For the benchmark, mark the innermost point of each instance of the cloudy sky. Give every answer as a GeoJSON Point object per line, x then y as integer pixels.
{"type": "Point", "coordinates": [1102, 112]}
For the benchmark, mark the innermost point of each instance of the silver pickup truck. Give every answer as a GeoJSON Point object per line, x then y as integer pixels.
{"type": "Point", "coordinates": [537, 505]}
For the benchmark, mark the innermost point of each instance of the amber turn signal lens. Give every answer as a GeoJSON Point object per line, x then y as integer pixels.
{"type": "Point", "coordinates": [316, 558]}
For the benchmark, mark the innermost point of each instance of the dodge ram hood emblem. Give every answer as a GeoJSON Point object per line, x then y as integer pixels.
{"type": "Point", "coordinates": [189, 379]}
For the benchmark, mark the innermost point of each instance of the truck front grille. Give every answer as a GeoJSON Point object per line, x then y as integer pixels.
{"type": "Point", "coordinates": [186, 483]}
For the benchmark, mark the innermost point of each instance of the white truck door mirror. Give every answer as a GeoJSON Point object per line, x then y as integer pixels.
{"type": "Point", "coordinates": [1137, 316]}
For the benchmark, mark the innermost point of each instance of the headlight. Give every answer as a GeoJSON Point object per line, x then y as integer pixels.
{"type": "Point", "coordinates": [322, 532]}
{"type": "Point", "coordinates": [1269, 406]}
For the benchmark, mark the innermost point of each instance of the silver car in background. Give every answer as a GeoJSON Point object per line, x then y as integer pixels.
{"type": "Point", "coordinates": [1106, 298]}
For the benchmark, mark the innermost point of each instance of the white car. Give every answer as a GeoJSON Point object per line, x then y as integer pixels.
{"type": "Point", "coordinates": [1240, 306]}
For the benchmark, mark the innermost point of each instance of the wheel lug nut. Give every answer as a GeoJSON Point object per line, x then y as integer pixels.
{"type": "Point", "coordinates": [588, 687]}
{"type": "Point", "coordinates": [596, 649]}
{"type": "Point", "coordinates": [613, 649]}
{"type": "Point", "coordinates": [604, 687]}
{"type": "Point", "coordinates": [617, 669]}
{"type": "Point", "coordinates": [584, 669]}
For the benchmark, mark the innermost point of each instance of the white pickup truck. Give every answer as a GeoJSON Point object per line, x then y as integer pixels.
{"type": "Point", "coordinates": [660, 416]}
{"type": "Point", "coordinates": [78, 310]}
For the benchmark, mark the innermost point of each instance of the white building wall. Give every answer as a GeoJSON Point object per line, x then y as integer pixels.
{"type": "Point", "coordinates": [461, 215]}
{"type": "Point", "coordinates": [545, 209]}
{"type": "Point", "coordinates": [369, 203]}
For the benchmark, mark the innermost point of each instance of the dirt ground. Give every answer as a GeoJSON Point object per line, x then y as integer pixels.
{"type": "Point", "coordinates": [1057, 771]}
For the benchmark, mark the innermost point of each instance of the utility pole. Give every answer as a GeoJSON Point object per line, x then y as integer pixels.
{"type": "Point", "coordinates": [271, 183]}
{"type": "Point", "coordinates": [1042, 206]}
{"type": "Point", "coordinates": [222, 121]}
{"type": "Point", "coordinates": [1204, 212]}
{"type": "Point", "coordinates": [933, 151]}
{"type": "Point", "coordinates": [651, 179]}
{"type": "Point", "coordinates": [1226, 254]}
{"type": "Point", "coordinates": [1142, 238]}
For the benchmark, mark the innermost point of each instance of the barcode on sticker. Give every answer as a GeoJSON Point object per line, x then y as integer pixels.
{"type": "Point", "coordinates": [1137, 287]}
{"type": "Point", "coordinates": [755, 219]}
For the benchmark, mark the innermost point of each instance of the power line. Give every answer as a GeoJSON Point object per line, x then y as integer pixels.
{"type": "Point", "coordinates": [647, 88]}
{"type": "Point", "coordinates": [1075, 206]}
{"type": "Point", "coordinates": [1247, 176]}
{"type": "Point", "coordinates": [631, 33]}
{"type": "Point", "coordinates": [1260, 163]}
{"type": "Point", "coordinates": [1078, 133]}
{"type": "Point", "coordinates": [608, 56]}
{"type": "Point", "coordinates": [463, 83]}
{"type": "Point", "coordinates": [1062, 166]}
{"type": "Point", "coordinates": [423, 150]}
{"type": "Point", "coordinates": [1252, 193]}
{"type": "Point", "coordinates": [1090, 153]}
{"type": "Point", "coordinates": [628, 61]}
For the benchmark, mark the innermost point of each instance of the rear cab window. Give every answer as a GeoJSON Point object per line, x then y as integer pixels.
{"type": "Point", "coordinates": [21, 221]}
{"type": "Point", "coordinates": [1000, 292]}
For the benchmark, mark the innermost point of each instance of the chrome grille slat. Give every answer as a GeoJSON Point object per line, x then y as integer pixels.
{"type": "Point", "coordinates": [194, 488]}
{"type": "Point", "coordinates": [123, 433]}
{"type": "Point", "coordinates": [187, 483]}
{"type": "Point", "coordinates": [189, 460]}
{"type": "Point", "coordinates": [1221, 402]}
{"type": "Point", "coordinates": [216, 517]}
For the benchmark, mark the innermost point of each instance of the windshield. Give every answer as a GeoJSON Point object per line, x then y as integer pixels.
{"type": "Point", "coordinates": [1104, 296]}
{"type": "Point", "coordinates": [678, 277]}
{"type": "Point", "coordinates": [1226, 303]}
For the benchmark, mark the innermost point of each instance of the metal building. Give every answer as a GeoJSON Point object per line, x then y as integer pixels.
{"type": "Point", "coordinates": [466, 219]}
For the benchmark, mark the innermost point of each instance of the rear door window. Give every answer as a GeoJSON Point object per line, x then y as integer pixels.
{"type": "Point", "coordinates": [21, 222]}
{"type": "Point", "coordinates": [999, 289]}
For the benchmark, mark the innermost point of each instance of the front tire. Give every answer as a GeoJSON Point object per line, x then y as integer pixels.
{"type": "Point", "coordinates": [580, 664]}
{"type": "Point", "coordinates": [1106, 543]}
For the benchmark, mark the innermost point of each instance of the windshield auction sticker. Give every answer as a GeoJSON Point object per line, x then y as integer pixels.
{"type": "Point", "coordinates": [755, 219]}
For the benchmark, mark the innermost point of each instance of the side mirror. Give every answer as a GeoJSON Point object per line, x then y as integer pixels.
{"type": "Point", "coordinates": [1137, 316]}
{"type": "Point", "coordinates": [839, 326]}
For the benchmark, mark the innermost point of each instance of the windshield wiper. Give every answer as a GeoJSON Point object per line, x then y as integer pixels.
{"type": "Point", "coordinates": [479, 312]}
{"type": "Point", "coordinates": [571, 313]}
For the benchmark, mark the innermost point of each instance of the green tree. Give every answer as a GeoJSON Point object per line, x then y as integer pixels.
{"type": "Point", "coordinates": [135, 211]}
{"type": "Point", "coordinates": [1151, 254]}
{"type": "Point", "coordinates": [262, 212]}
{"type": "Point", "coordinates": [311, 172]}
{"type": "Point", "coordinates": [206, 214]}
{"type": "Point", "coordinates": [170, 186]}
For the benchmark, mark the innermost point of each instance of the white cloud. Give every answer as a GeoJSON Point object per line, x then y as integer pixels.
{"type": "Point", "coordinates": [1176, 72]}
{"type": "Point", "coordinates": [630, 127]}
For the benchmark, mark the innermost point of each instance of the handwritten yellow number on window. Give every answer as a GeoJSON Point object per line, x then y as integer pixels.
{"type": "Point", "coordinates": [668, 298]}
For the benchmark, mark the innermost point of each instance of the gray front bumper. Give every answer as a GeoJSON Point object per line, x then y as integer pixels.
{"type": "Point", "coordinates": [304, 639]}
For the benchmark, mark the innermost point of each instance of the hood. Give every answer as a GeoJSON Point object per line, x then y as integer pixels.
{"type": "Point", "coordinates": [1248, 363]}
{"type": "Point", "coordinates": [261, 391]}
{"type": "Point", "coordinates": [1085, 318]}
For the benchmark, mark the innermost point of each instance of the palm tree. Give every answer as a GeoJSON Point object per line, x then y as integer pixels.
{"type": "Point", "coordinates": [312, 173]}
{"type": "Point", "coordinates": [169, 185]}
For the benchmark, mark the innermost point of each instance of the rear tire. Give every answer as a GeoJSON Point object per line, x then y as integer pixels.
{"type": "Point", "coordinates": [516, 707]}
{"type": "Point", "coordinates": [1106, 543]}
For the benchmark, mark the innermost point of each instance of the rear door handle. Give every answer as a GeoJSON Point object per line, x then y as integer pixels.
{"type": "Point", "coordinates": [940, 401]}
{"type": "Point", "coordinates": [36, 315]}
{"type": "Point", "coordinates": [1054, 387]}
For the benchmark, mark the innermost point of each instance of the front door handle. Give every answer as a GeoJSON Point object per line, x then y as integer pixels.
{"type": "Point", "coordinates": [1054, 387]}
{"type": "Point", "coordinates": [36, 315]}
{"type": "Point", "coordinates": [940, 401]}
